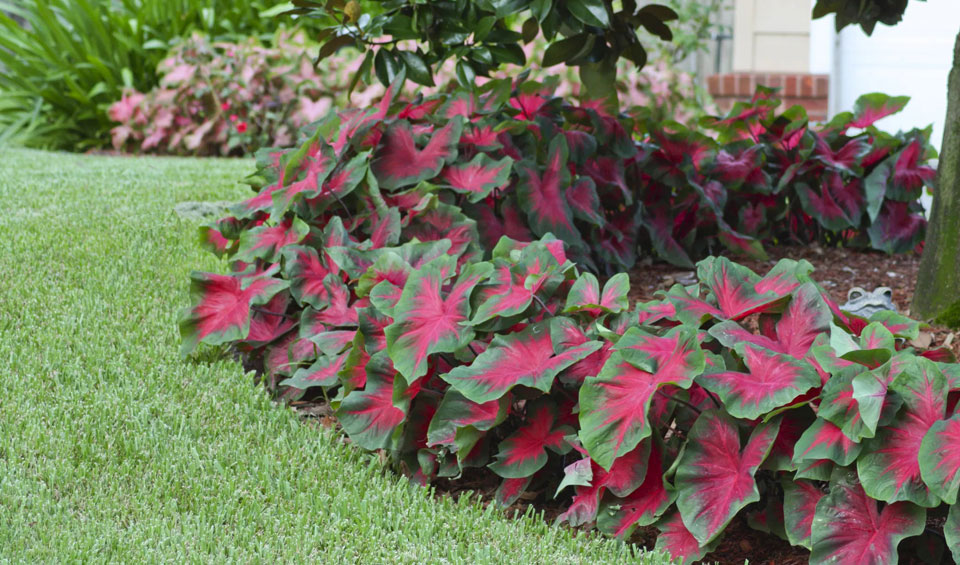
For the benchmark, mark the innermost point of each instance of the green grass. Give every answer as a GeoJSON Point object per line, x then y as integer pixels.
{"type": "Point", "coordinates": [112, 449]}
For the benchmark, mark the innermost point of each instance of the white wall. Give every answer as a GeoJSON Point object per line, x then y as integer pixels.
{"type": "Point", "coordinates": [911, 58]}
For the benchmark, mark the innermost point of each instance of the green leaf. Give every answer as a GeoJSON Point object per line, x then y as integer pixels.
{"type": "Point", "coordinates": [387, 67]}
{"type": "Point", "coordinates": [417, 69]}
{"type": "Point", "coordinates": [466, 76]}
{"type": "Point", "coordinates": [590, 12]}
{"type": "Point", "coordinates": [530, 30]}
{"type": "Point", "coordinates": [567, 49]}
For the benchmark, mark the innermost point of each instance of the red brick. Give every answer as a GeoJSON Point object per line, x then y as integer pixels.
{"type": "Point", "coordinates": [823, 86]}
{"type": "Point", "coordinates": [744, 86]}
{"type": "Point", "coordinates": [713, 85]}
{"type": "Point", "coordinates": [774, 81]}
{"type": "Point", "coordinates": [806, 85]}
{"type": "Point", "coordinates": [729, 87]}
{"type": "Point", "coordinates": [790, 85]}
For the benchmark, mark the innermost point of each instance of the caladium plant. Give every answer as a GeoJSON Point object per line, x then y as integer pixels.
{"type": "Point", "coordinates": [450, 345]}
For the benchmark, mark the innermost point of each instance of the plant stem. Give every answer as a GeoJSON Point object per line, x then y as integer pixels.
{"type": "Point", "coordinates": [678, 401]}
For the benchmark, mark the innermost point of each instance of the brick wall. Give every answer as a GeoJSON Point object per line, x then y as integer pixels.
{"type": "Point", "coordinates": [807, 90]}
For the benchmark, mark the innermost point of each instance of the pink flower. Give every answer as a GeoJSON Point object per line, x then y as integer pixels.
{"type": "Point", "coordinates": [225, 106]}
{"type": "Point", "coordinates": [234, 117]}
{"type": "Point", "coordinates": [242, 127]}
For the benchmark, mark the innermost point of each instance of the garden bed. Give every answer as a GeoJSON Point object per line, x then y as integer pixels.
{"type": "Point", "coordinates": [836, 269]}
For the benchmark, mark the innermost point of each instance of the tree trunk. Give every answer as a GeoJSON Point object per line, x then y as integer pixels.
{"type": "Point", "coordinates": [938, 285]}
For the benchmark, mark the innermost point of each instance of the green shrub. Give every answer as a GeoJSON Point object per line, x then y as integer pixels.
{"type": "Point", "coordinates": [63, 62]}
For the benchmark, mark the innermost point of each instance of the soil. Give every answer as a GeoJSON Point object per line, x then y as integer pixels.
{"type": "Point", "coordinates": [837, 271]}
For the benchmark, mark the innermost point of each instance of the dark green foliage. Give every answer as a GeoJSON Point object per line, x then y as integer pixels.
{"type": "Point", "coordinates": [865, 13]}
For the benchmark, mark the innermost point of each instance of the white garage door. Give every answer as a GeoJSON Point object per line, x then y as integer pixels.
{"type": "Point", "coordinates": [911, 58]}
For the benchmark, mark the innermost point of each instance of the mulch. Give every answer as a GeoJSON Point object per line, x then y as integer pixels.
{"type": "Point", "coordinates": [837, 271]}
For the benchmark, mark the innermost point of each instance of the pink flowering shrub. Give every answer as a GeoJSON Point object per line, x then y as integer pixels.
{"type": "Point", "coordinates": [219, 99]}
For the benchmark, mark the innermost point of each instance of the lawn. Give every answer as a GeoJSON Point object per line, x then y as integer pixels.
{"type": "Point", "coordinates": [114, 449]}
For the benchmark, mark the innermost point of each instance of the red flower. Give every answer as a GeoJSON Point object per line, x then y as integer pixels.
{"type": "Point", "coordinates": [242, 127]}
{"type": "Point", "coordinates": [225, 106]}
{"type": "Point", "coordinates": [234, 117]}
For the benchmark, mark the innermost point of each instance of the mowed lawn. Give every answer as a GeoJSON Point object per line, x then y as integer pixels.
{"type": "Point", "coordinates": [113, 449]}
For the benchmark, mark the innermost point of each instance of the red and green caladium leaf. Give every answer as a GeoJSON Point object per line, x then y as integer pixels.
{"type": "Point", "coordinates": [836, 205]}
{"type": "Point", "coordinates": [222, 306]}
{"type": "Point", "coordinates": [398, 162]}
{"type": "Point", "coordinates": [323, 372]}
{"type": "Point", "coordinates": [715, 479]}
{"type": "Point", "coordinates": [428, 318]}
{"type": "Point", "coordinates": [510, 490]}
{"type": "Point", "coordinates": [586, 296]}
{"type": "Point", "coordinates": [478, 178]}
{"type": "Point", "coordinates": [524, 358]}
{"type": "Point", "coordinates": [679, 542]}
{"type": "Point", "coordinates": [456, 412]}
{"type": "Point", "coordinates": [369, 416]}
{"type": "Point", "coordinates": [524, 452]}
{"type": "Point", "coordinates": [889, 467]}
{"type": "Point", "coordinates": [848, 528]}
{"type": "Point", "coordinates": [591, 481]}
{"type": "Point", "coordinates": [824, 440]}
{"type": "Point", "coordinates": [806, 317]}
{"type": "Point", "coordinates": [306, 272]}
{"type": "Point", "coordinates": [939, 458]}
{"type": "Point", "coordinates": [267, 242]}
{"type": "Point", "coordinates": [871, 107]}
{"type": "Point", "coordinates": [618, 517]}
{"type": "Point", "coordinates": [614, 405]}
{"type": "Point", "coordinates": [532, 271]}
{"type": "Point", "coordinates": [772, 380]}
{"type": "Point", "coordinates": [542, 195]}
{"type": "Point", "coordinates": [800, 500]}
{"type": "Point", "coordinates": [734, 288]}
{"type": "Point", "coordinates": [315, 160]}
{"type": "Point", "coordinates": [898, 228]}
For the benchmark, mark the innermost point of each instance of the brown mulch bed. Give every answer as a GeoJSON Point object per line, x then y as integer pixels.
{"type": "Point", "coordinates": [837, 270]}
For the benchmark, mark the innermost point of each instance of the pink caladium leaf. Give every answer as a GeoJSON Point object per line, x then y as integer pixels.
{"type": "Point", "coordinates": [614, 404]}
{"type": "Point", "coordinates": [689, 308]}
{"type": "Point", "coordinates": [871, 107]}
{"type": "Point", "coordinates": [369, 416]}
{"type": "Point", "coordinates": [479, 177]}
{"type": "Point", "coordinates": [398, 162]}
{"type": "Point", "coordinates": [524, 452]}
{"type": "Point", "coordinates": [270, 321]}
{"type": "Point", "coordinates": [772, 380]}
{"type": "Point", "coordinates": [939, 458]}
{"type": "Point", "coordinates": [626, 475]}
{"type": "Point", "coordinates": [267, 242]}
{"type": "Point", "coordinates": [889, 467]}
{"type": "Point", "coordinates": [824, 440]}
{"type": "Point", "coordinates": [428, 319]}
{"type": "Point", "coordinates": [524, 358]}
{"type": "Point", "coordinates": [456, 412]}
{"type": "Point", "coordinates": [800, 500]}
{"type": "Point", "coordinates": [542, 195]}
{"type": "Point", "coordinates": [784, 277]}
{"type": "Point", "coordinates": [848, 528]}
{"type": "Point", "coordinates": [678, 542]}
{"type": "Point", "coordinates": [618, 517]}
{"type": "Point", "coordinates": [222, 306]}
{"type": "Point", "coordinates": [715, 479]}
{"type": "Point", "coordinates": [585, 295]}
{"type": "Point", "coordinates": [436, 221]}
